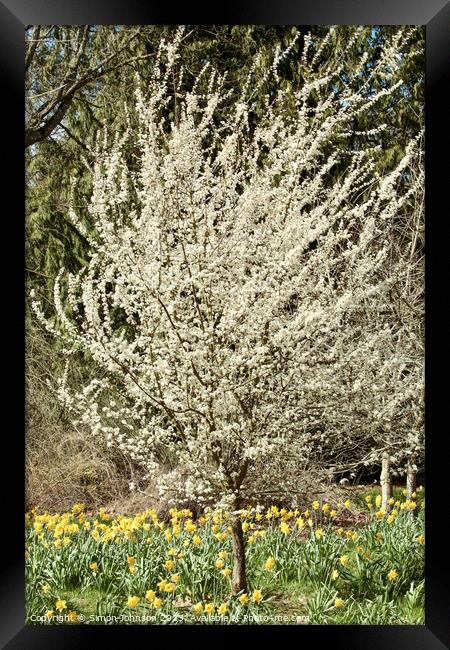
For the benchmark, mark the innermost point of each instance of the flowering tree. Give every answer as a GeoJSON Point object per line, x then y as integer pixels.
{"type": "Point", "coordinates": [225, 259]}
{"type": "Point", "coordinates": [381, 378]}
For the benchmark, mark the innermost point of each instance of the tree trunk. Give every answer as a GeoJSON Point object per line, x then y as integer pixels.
{"type": "Point", "coordinates": [385, 481]}
{"type": "Point", "coordinates": [239, 580]}
{"type": "Point", "coordinates": [411, 481]}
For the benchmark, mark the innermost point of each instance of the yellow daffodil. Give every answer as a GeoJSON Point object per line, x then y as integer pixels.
{"type": "Point", "coordinates": [269, 563]}
{"type": "Point", "coordinates": [133, 601]}
{"type": "Point", "coordinates": [243, 599]}
{"type": "Point", "coordinates": [198, 608]}
{"type": "Point", "coordinates": [257, 596]}
{"type": "Point", "coordinates": [392, 575]}
{"type": "Point", "coordinates": [150, 595]}
{"type": "Point", "coordinates": [284, 527]}
{"type": "Point", "coordinates": [339, 603]}
{"type": "Point", "coordinates": [222, 609]}
{"type": "Point", "coordinates": [60, 605]}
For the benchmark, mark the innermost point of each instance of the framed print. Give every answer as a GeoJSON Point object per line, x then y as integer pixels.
{"type": "Point", "coordinates": [230, 337]}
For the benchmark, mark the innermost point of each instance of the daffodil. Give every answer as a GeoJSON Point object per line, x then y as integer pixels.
{"type": "Point", "coordinates": [133, 601]}
{"type": "Point", "coordinates": [318, 533]}
{"type": "Point", "coordinates": [421, 539]}
{"type": "Point", "coordinates": [334, 574]}
{"type": "Point", "coordinates": [243, 599]}
{"type": "Point", "coordinates": [392, 575]}
{"type": "Point", "coordinates": [150, 595]}
{"type": "Point", "coordinates": [226, 572]}
{"type": "Point", "coordinates": [339, 603]}
{"type": "Point", "coordinates": [257, 596]}
{"type": "Point", "coordinates": [344, 560]}
{"type": "Point", "coordinates": [93, 566]}
{"type": "Point", "coordinates": [222, 609]}
{"type": "Point", "coordinates": [60, 605]}
{"type": "Point", "coordinates": [198, 608]}
{"type": "Point", "coordinates": [209, 608]}
{"type": "Point", "coordinates": [46, 588]}
{"type": "Point", "coordinates": [284, 527]}
{"type": "Point", "coordinates": [269, 563]}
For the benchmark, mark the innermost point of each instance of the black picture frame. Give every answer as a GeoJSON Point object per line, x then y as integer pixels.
{"type": "Point", "coordinates": [14, 15]}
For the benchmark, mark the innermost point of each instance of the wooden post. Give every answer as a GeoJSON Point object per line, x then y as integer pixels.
{"type": "Point", "coordinates": [385, 481]}
{"type": "Point", "coordinates": [411, 481]}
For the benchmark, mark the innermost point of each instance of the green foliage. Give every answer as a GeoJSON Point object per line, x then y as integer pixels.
{"type": "Point", "coordinates": [325, 573]}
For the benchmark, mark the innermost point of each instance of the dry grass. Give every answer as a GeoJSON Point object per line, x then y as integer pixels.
{"type": "Point", "coordinates": [65, 465]}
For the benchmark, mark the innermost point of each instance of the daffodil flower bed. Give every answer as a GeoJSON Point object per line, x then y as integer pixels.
{"type": "Point", "coordinates": [100, 569]}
